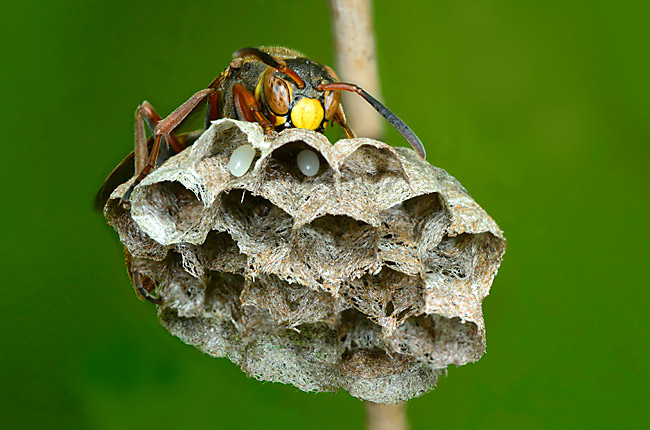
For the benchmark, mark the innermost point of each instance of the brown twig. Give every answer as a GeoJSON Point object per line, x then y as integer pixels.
{"type": "Point", "coordinates": [386, 417]}
{"type": "Point", "coordinates": [356, 62]}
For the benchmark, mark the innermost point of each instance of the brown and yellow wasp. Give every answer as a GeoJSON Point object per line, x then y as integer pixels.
{"type": "Point", "coordinates": [276, 87]}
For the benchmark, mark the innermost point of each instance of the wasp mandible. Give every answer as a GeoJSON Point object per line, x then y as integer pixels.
{"type": "Point", "coordinates": [276, 87]}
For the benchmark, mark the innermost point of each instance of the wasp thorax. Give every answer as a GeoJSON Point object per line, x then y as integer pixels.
{"type": "Point", "coordinates": [366, 276]}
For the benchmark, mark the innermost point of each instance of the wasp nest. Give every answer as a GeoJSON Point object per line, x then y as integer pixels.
{"type": "Point", "coordinates": [367, 276]}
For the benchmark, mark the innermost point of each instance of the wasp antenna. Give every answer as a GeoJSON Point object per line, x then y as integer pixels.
{"type": "Point", "coordinates": [393, 119]}
{"type": "Point", "coordinates": [270, 61]}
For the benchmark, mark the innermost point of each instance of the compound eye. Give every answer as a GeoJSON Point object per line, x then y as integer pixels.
{"type": "Point", "coordinates": [332, 99]}
{"type": "Point", "coordinates": [277, 93]}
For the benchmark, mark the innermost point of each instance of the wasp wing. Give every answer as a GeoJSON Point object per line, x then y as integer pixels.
{"type": "Point", "coordinates": [122, 173]}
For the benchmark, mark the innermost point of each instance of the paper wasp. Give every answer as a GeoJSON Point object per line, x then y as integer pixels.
{"type": "Point", "coordinates": [276, 87]}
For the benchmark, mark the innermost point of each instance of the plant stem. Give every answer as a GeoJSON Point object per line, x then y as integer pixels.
{"type": "Point", "coordinates": [356, 62]}
{"type": "Point", "coordinates": [386, 417]}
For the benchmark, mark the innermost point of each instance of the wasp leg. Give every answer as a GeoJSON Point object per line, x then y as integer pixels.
{"type": "Point", "coordinates": [143, 285]}
{"type": "Point", "coordinates": [339, 117]}
{"type": "Point", "coordinates": [144, 292]}
{"type": "Point", "coordinates": [212, 111]}
{"type": "Point", "coordinates": [153, 119]}
{"type": "Point", "coordinates": [162, 129]}
{"type": "Point", "coordinates": [141, 151]}
{"type": "Point", "coordinates": [146, 112]}
{"type": "Point", "coordinates": [248, 109]}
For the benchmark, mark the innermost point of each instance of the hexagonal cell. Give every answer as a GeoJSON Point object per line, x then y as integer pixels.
{"type": "Point", "coordinates": [373, 162]}
{"type": "Point", "coordinates": [214, 166]}
{"type": "Point", "coordinates": [466, 263]}
{"type": "Point", "coordinates": [373, 179]}
{"type": "Point", "coordinates": [213, 336]}
{"type": "Point", "coordinates": [357, 332]}
{"type": "Point", "coordinates": [261, 229]}
{"type": "Point", "coordinates": [290, 305]}
{"type": "Point", "coordinates": [220, 253]}
{"type": "Point", "coordinates": [411, 228]}
{"type": "Point", "coordinates": [454, 257]}
{"type": "Point", "coordinates": [222, 296]}
{"type": "Point", "coordinates": [139, 273]}
{"type": "Point", "coordinates": [228, 138]}
{"type": "Point", "coordinates": [428, 218]}
{"type": "Point", "coordinates": [331, 249]}
{"type": "Point", "coordinates": [282, 164]}
{"type": "Point", "coordinates": [369, 372]}
{"type": "Point", "coordinates": [208, 317]}
{"type": "Point", "coordinates": [172, 213]}
{"type": "Point", "coordinates": [180, 290]}
{"type": "Point", "coordinates": [168, 280]}
{"type": "Point", "coordinates": [387, 298]}
{"type": "Point", "coordinates": [215, 295]}
{"type": "Point", "coordinates": [438, 340]}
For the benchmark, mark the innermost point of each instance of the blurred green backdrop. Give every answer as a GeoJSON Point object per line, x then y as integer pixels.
{"type": "Point", "coordinates": [541, 109]}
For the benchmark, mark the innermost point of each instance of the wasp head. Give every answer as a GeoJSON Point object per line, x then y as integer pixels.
{"type": "Point", "coordinates": [299, 92]}
{"type": "Point", "coordinates": [292, 97]}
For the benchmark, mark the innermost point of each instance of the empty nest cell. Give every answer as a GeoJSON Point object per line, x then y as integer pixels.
{"type": "Point", "coordinates": [260, 228]}
{"type": "Point", "coordinates": [174, 205]}
{"type": "Point", "coordinates": [408, 229]}
{"type": "Point", "coordinates": [290, 305]}
{"type": "Point", "coordinates": [170, 213]}
{"type": "Point", "coordinates": [218, 253]}
{"type": "Point", "coordinates": [332, 249]}
{"type": "Point", "coordinates": [436, 340]}
{"type": "Point", "coordinates": [466, 263]}
{"type": "Point", "coordinates": [370, 180]}
{"type": "Point", "coordinates": [387, 298]}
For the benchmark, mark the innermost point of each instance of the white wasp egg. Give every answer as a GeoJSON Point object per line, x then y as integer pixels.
{"type": "Point", "coordinates": [241, 160]}
{"type": "Point", "coordinates": [308, 162]}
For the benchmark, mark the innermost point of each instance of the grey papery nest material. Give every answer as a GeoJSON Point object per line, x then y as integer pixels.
{"type": "Point", "coordinates": [368, 276]}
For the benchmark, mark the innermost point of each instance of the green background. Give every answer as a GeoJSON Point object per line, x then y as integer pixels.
{"type": "Point", "coordinates": [541, 109]}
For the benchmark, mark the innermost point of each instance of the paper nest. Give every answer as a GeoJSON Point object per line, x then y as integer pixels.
{"type": "Point", "coordinates": [368, 276]}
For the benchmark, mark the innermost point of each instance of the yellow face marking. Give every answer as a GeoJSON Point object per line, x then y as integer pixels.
{"type": "Point", "coordinates": [259, 88]}
{"type": "Point", "coordinates": [307, 113]}
{"type": "Point", "coordinates": [279, 120]}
